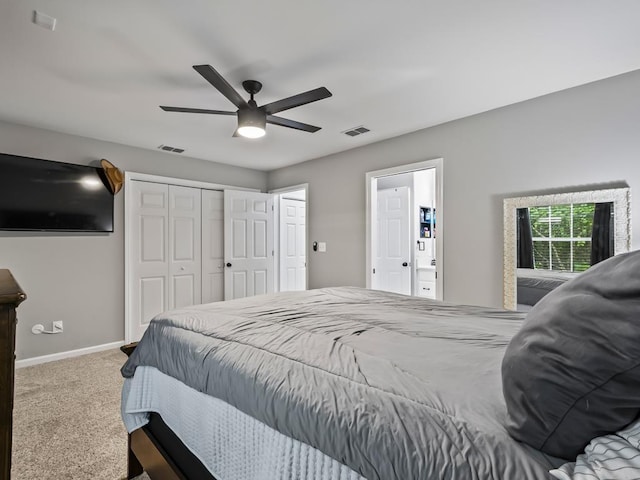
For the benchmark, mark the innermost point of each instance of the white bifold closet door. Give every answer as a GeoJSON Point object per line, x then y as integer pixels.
{"type": "Point", "coordinates": [185, 249]}
{"type": "Point", "coordinates": [165, 252]}
{"type": "Point", "coordinates": [189, 246]}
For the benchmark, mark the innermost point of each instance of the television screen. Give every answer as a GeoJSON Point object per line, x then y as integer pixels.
{"type": "Point", "coordinates": [45, 195]}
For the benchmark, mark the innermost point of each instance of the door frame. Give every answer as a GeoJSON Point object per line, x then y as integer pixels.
{"type": "Point", "coordinates": [128, 218]}
{"type": "Point", "coordinates": [278, 192]}
{"type": "Point", "coordinates": [371, 180]}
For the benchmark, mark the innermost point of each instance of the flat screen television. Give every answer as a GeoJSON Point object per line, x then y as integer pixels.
{"type": "Point", "coordinates": [43, 195]}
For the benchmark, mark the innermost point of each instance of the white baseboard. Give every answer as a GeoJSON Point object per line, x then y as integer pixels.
{"type": "Point", "coordinates": [28, 362]}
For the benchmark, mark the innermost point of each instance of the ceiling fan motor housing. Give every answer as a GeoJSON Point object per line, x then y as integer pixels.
{"type": "Point", "coordinates": [252, 117]}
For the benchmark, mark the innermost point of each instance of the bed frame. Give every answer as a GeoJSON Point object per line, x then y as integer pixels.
{"type": "Point", "coordinates": [156, 450]}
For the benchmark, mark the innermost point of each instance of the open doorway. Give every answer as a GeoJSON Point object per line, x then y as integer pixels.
{"type": "Point", "coordinates": [404, 242]}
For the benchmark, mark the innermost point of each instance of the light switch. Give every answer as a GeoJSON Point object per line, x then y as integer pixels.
{"type": "Point", "coordinates": [322, 246]}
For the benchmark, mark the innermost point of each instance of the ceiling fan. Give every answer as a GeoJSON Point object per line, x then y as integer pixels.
{"type": "Point", "coordinates": [252, 119]}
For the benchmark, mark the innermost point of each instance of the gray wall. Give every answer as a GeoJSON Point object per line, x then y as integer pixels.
{"type": "Point", "coordinates": [569, 140]}
{"type": "Point", "coordinates": [79, 278]}
{"type": "Point", "coordinates": [575, 139]}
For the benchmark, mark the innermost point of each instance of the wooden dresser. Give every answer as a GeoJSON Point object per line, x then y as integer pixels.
{"type": "Point", "coordinates": [11, 295]}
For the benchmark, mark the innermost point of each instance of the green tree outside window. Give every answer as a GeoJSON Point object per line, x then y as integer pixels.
{"type": "Point", "coordinates": [562, 236]}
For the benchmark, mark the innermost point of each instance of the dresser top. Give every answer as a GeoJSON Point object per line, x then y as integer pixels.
{"type": "Point", "coordinates": [10, 291]}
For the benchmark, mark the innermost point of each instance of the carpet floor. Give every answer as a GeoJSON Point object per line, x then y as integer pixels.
{"type": "Point", "coordinates": [66, 420]}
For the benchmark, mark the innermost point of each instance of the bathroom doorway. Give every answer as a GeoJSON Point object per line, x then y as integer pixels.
{"type": "Point", "coordinates": [404, 229]}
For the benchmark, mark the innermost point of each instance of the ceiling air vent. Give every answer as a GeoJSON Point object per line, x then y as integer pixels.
{"type": "Point", "coordinates": [167, 148]}
{"type": "Point", "coordinates": [354, 132]}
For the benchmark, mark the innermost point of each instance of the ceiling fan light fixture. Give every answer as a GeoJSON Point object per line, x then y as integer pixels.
{"type": "Point", "coordinates": [251, 132]}
{"type": "Point", "coordinates": [252, 119]}
{"type": "Point", "coordinates": [251, 123]}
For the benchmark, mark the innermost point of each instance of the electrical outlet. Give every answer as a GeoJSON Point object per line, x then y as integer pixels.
{"type": "Point", "coordinates": [58, 327]}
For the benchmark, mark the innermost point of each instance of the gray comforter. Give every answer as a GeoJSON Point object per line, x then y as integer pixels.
{"type": "Point", "coordinates": [392, 386]}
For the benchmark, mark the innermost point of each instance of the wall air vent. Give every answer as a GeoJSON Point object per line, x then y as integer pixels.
{"type": "Point", "coordinates": [354, 132]}
{"type": "Point", "coordinates": [167, 148]}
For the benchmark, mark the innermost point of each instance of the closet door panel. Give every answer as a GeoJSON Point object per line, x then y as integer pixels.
{"type": "Point", "coordinates": [212, 246]}
{"type": "Point", "coordinates": [184, 246]}
{"type": "Point", "coordinates": [149, 254]}
{"type": "Point", "coordinates": [153, 299]}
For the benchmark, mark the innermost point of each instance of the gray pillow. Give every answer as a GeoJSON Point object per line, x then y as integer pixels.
{"type": "Point", "coordinates": [572, 373]}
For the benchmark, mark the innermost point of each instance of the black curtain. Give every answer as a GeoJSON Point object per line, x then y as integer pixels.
{"type": "Point", "coordinates": [602, 234]}
{"type": "Point", "coordinates": [525, 239]}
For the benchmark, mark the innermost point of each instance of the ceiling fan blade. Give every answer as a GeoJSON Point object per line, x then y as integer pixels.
{"type": "Point", "coordinates": [296, 100]}
{"type": "Point", "coordinates": [285, 122]}
{"type": "Point", "coordinates": [195, 110]}
{"type": "Point", "coordinates": [215, 79]}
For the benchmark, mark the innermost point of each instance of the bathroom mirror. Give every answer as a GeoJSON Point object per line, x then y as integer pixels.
{"type": "Point", "coordinates": [549, 239]}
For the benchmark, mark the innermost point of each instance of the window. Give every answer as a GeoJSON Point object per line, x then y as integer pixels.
{"type": "Point", "coordinates": [562, 236]}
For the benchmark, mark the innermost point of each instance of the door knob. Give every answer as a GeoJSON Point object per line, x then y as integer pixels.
{"type": "Point", "coordinates": [405, 264]}
{"type": "Point", "coordinates": [228, 264]}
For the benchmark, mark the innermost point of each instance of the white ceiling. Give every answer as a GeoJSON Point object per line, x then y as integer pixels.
{"type": "Point", "coordinates": [392, 66]}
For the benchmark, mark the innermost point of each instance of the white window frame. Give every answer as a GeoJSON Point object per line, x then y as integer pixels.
{"type": "Point", "coordinates": [549, 239]}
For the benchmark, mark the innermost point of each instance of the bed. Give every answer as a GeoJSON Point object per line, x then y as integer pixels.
{"type": "Point", "coordinates": [353, 384]}
{"type": "Point", "coordinates": [336, 383]}
{"type": "Point", "coordinates": [533, 285]}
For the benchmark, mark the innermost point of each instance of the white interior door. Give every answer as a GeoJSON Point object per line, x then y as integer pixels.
{"type": "Point", "coordinates": [293, 259]}
{"type": "Point", "coordinates": [149, 254]}
{"type": "Point", "coordinates": [184, 247]}
{"type": "Point", "coordinates": [248, 244]}
{"type": "Point", "coordinates": [212, 246]}
{"type": "Point", "coordinates": [393, 244]}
